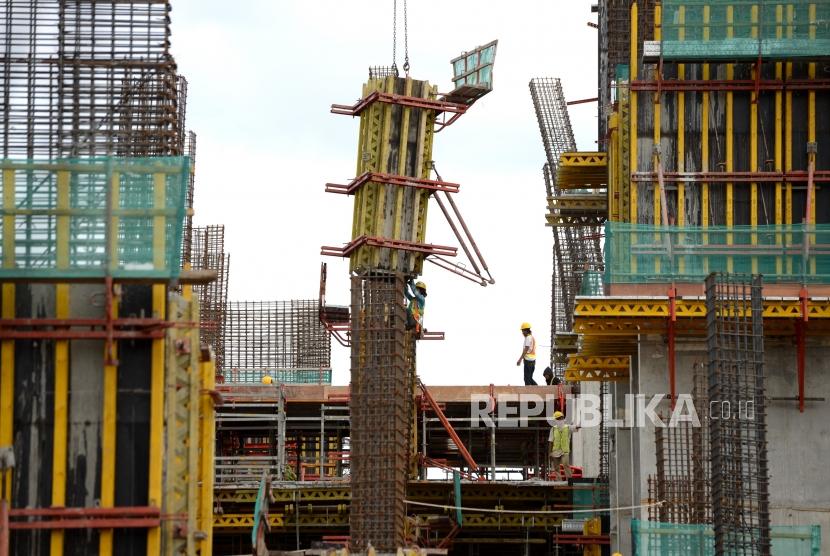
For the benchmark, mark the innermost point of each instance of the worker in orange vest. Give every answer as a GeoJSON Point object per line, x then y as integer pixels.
{"type": "Point", "coordinates": [528, 354]}
{"type": "Point", "coordinates": [416, 293]}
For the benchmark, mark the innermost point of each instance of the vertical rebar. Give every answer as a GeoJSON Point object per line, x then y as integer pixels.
{"type": "Point", "coordinates": [382, 356]}
{"type": "Point", "coordinates": [740, 479]}
{"type": "Point", "coordinates": [576, 249]}
{"type": "Point", "coordinates": [86, 78]}
{"type": "Point", "coordinates": [284, 339]}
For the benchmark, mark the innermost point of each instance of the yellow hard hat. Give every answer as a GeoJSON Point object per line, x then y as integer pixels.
{"type": "Point", "coordinates": [267, 379]}
{"type": "Point", "coordinates": [525, 326]}
{"type": "Point", "coordinates": [421, 285]}
{"type": "Point", "coordinates": [558, 414]}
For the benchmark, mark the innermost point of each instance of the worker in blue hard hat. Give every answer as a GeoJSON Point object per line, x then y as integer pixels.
{"type": "Point", "coordinates": [528, 354]}
{"type": "Point", "coordinates": [416, 293]}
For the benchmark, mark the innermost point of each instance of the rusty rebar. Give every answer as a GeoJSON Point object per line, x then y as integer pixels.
{"type": "Point", "coordinates": [82, 78]}
{"type": "Point", "coordinates": [382, 355]}
{"type": "Point", "coordinates": [740, 476]}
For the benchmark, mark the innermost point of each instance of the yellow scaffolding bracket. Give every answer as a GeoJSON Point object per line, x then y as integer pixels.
{"type": "Point", "coordinates": [603, 368]}
{"type": "Point", "coordinates": [605, 308]}
{"type": "Point", "coordinates": [582, 170]}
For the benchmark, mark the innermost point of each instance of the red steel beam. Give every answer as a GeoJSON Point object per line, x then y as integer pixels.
{"type": "Point", "coordinates": [731, 85]}
{"type": "Point", "coordinates": [4, 528]}
{"type": "Point", "coordinates": [122, 511]}
{"type": "Point", "coordinates": [392, 179]}
{"type": "Point", "coordinates": [403, 100]}
{"type": "Point", "coordinates": [446, 542]}
{"type": "Point", "coordinates": [672, 320]}
{"type": "Point", "coordinates": [582, 101]}
{"type": "Point", "coordinates": [448, 427]}
{"type": "Point", "coordinates": [7, 334]}
{"type": "Point", "coordinates": [86, 518]}
{"type": "Point", "coordinates": [106, 523]}
{"type": "Point", "coordinates": [426, 248]}
{"type": "Point", "coordinates": [66, 323]}
{"type": "Point", "coordinates": [734, 177]}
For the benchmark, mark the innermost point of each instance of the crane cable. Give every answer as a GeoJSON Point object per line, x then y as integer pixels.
{"type": "Point", "coordinates": [395, 38]}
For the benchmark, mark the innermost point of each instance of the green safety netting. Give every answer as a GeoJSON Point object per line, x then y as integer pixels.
{"type": "Point", "coordinates": [650, 538]}
{"type": "Point", "coordinates": [735, 29]}
{"type": "Point", "coordinates": [86, 218]}
{"type": "Point", "coordinates": [279, 376]}
{"type": "Point", "coordinates": [591, 283]}
{"type": "Point", "coordinates": [638, 253]}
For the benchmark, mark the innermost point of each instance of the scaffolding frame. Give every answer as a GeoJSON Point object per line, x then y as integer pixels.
{"type": "Point", "coordinates": [576, 246]}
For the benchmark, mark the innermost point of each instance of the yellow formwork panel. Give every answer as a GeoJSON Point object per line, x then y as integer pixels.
{"type": "Point", "coordinates": [185, 410]}
{"type": "Point", "coordinates": [394, 139]}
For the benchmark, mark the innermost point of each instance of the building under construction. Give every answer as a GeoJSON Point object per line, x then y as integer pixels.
{"type": "Point", "coordinates": [712, 288]}
{"type": "Point", "coordinates": [142, 411]}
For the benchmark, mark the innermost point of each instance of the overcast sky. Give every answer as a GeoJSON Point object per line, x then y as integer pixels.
{"type": "Point", "coordinates": [262, 75]}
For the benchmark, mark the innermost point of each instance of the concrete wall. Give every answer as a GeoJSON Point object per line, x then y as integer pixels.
{"type": "Point", "coordinates": [86, 386]}
{"type": "Point", "coordinates": [34, 410]}
{"type": "Point", "coordinates": [798, 442]}
{"type": "Point", "coordinates": [585, 440]}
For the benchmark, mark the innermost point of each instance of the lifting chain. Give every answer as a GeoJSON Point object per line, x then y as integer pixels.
{"type": "Point", "coordinates": [395, 36]}
{"type": "Point", "coordinates": [405, 41]}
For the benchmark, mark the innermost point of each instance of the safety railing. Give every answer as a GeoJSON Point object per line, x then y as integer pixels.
{"type": "Point", "coordinates": [278, 376]}
{"type": "Point", "coordinates": [666, 539]}
{"type": "Point", "coordinates": [748, 29]}
{"type": "Point", "coordinates": [638, 253]}
{"type": "Point", "coordinates": [244, 469]}
{"type": "Point", "coordinates": [92, 218]}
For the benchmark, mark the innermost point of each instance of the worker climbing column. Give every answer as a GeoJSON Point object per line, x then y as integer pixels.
{"type": "Point", "coordinates": [397, 120]}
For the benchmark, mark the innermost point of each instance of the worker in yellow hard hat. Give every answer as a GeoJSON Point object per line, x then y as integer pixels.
{"type": "Point", "coordinates": [528, 354]}
{"type": "Point", "coordinates": [416, 294]}
{"type": "Point", "coordinates": [560, 445]}
{"type": "Point", "coordinates": [266, 379]}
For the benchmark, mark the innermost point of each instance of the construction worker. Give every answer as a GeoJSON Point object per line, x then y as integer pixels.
{"type": "Point", "coordinates": [528, 354]}
{"type": "Point", "coordinates": [560, 445]}
{"type": "Point", "coordinates": [416, 293]}
{"type": "Point", "coordinates": [548, 374]}
{"type": "Point", "coordinates": [266, 379]}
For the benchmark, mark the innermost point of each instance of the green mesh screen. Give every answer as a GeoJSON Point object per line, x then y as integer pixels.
{"type": "Point", "coordinates": [591, 283]}
{"type": "Point", "coordinates": [637, 253]}
{"type": "Point", "coordinates": [83, 218]}
{"type": "Point", "coordinates": [279, 376]}
{"type": "Point", "coordinates": [651, 538]}
{"type": "Point", "coordinates": [728, 30]}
